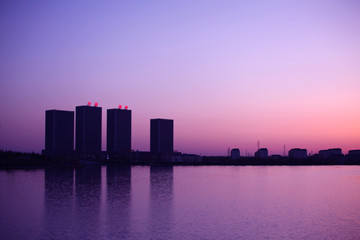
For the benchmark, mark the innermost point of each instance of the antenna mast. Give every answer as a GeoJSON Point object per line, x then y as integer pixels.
{"type": "Point", "coordinates": [284, 150]}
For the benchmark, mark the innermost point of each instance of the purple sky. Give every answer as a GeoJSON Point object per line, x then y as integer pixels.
{"type": "Point", "coordinates": [229, 73]}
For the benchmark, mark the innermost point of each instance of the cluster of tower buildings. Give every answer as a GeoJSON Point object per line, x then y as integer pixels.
{"type": "Point", "coordinates": [59, 132]}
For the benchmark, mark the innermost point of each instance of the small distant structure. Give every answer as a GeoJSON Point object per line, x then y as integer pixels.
{"type": "Point", "coordinates": [235, 154]}
{"type": "Point", "coordinates": [354, 153]}
{"type": "Point", "coordinates": [298, 153]}
{"type": "Point", "coordinates": [275, 156]}
{"type": "Point", "coordinates": [261, 153]}
{"type": "Point", "coordinates": [185, 158]}
{"type": "Point", "coordinates": [353, 156]}
{"type": "Point", "coordinates": [330, 153]}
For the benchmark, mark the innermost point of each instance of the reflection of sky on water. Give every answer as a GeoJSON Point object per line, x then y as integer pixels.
{"type": "Point", "coordinates": [161, 202]}
{"type": "Point", "coordinates": [209, 202]}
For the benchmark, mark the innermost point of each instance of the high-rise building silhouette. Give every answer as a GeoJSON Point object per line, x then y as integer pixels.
{"type": "Point", "coordinates": [88, 129]}
{"type": "Point", "coordinates": [118, 131]}
{"type": "Point", "coordinates": [161, 135]}
{"type": "Point", "coordinates": [59, 131]}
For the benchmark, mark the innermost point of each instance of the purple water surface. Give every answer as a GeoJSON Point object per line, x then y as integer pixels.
{"type": "Point", "coordinates": [203, 202]}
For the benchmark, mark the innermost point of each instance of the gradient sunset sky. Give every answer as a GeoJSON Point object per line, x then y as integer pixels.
{"type": "Point", "coordinates": [229, 73]}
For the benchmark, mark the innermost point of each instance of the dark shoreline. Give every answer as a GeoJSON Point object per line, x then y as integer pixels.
{"type": "Point", "coordinates": [15, 160]}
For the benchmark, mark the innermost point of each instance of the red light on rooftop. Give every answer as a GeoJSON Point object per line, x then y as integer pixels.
{"type": "Point", "coordinates": [96, 104]}
{"type": "Point", "coordinates": [120, 106]}
{"type": "Point", "coordinates": [126, 107]}
{"type": "Point", "coordinates": [89, 103]}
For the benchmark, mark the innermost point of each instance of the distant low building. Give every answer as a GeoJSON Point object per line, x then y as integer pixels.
{"type": "Point", "coordinates": [141, 156]}
{"type": "Point", "coordinates": [298, 153]}
{"type": "Point", "coordinates": [235, 154]}
{"type": "Point", "coordinates": [354, 153]}
{"type": "Point", "coordinates": [353, 157]}
{"type": "Point", "coordinates": [330, 153]}
{"type": "Point", "coordinates": [185, 158]}
{"type": "Point", "coordinates": [261, 153]}
{"type": "Point", "coordinates": [276, 156]}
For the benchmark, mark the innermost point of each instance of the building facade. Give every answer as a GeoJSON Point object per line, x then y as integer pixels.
{"type": "Point", "coordinates": [330, 153]}
{"type": "Point", "coordinates": [235, 154]}
{"type": "Point", "coordinates": [161, 135]}
{"type": "Point", "coordinates": [118, 131]}
{"type": "Point", "coordinates": [88, 129]}
{"type": "Point", "coordinates": [59, 132]}
{"type": "Point", "coordinates": [298, 153]}
{"type": "Point", "coordinates": [261, 153]}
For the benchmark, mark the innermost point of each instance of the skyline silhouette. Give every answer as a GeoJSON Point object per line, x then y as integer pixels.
{"type": "Point", "coordinates": [185, 119]}
{"type": "Point", "coordinates": [58, 140]}
{"type": "Point", "coordinates": [230, 74]}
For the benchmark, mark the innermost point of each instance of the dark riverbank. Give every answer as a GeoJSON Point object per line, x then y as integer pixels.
{"type": "Point", "coordinates": [18, 160]}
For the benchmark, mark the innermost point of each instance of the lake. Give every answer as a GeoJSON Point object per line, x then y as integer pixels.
{"type": "Point", "coordinates": [181, 202]}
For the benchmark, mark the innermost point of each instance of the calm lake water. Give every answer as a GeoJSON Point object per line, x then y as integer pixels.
{"type": "Point", "coordinates": [207, 202]}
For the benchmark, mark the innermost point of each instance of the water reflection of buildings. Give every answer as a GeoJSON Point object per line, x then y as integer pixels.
{"type": "Point", "coordinates": [59, 196]}
{"type": "Point", "coordinates": [161, 201]}
{"type": "Point", "coordinates": [88, 192]}
{"type": "Point", "coordinates": [118, 179]}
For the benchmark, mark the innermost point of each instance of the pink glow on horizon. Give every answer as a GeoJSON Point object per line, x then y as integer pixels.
{"type": "Point", "coordinates": [89, 103]}
{"type": "Point", "coordinates": [120, 106]}
{"type": "Point", "coordinates": [96, 104]}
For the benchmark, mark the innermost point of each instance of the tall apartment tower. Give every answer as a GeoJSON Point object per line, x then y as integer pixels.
{"type": "Point", "coordinates": [161, 135]}
{"type": "Point", "coordinates": [59, 131]}
{"type": "Point", "coordinates": [118, 131]}
{"type": "Point", "coordinates": [88, 129]}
